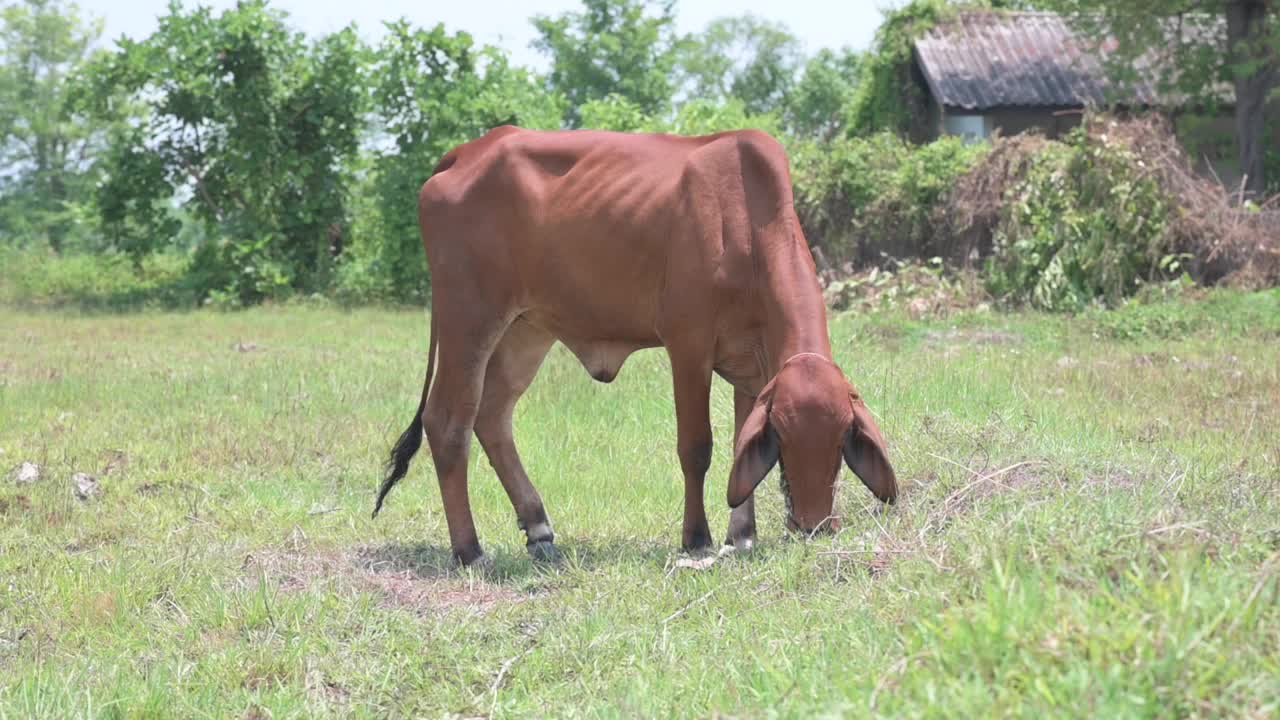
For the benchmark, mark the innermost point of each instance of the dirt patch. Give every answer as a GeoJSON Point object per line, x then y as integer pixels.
{"type": "Point", "coordinates": [89, 543]}
{"type": "Point", "coordinates": [885, 334]}
{"type": "Point", "coordinates": [406, 591]}
{"type": "Point", "coordinates": [420, 579]}
{"type": "Point", "coordinates": [925, 291]}
{"type": "Point", "coordinates": [988, 483]}
{"type": "Point", "coordinates": [882, 550]}
{"type": "Point", "coordinates": [324, 689]}
{"type": "Point", "coordinates": [17, 504]}
{"type": "Point", "coordinates": [115, 462]}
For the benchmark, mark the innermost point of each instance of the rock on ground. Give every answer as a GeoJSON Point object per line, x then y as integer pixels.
{"type": "Point", "coordinates": [27, 474]}
{"type": "Point", "coordinates": [85, 486]}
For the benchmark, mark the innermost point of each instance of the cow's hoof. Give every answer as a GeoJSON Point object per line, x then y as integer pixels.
{"type": "Point", "coordinates": [743, 545]}
{"type": "Point", "coordinates": [545, 551]}
{"type": "Point", "coordinates": [698, 543]}
{"type": "Point", "coordinates": [479, 564]}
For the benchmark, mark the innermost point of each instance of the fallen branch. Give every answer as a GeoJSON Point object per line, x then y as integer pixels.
{"type": "Point", "coordinates": [502, 674]}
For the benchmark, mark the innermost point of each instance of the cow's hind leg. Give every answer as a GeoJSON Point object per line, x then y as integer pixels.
{"type": "Point", "coordinates": [467, 340]}
{"type": "Point", "coordinates": [511, 369]}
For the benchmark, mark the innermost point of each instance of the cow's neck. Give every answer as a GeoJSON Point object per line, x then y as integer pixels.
{"type": "Point", "coordinates": [795, 314]}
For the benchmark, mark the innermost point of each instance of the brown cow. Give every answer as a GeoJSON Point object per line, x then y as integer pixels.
{"type": "Point", "coordinates": [611, 243]}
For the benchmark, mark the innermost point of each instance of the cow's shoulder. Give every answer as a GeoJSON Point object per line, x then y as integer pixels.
{"type": "Point", "coordinates": [750, 151]}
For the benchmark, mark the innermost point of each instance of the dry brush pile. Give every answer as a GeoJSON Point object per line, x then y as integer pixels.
{"type": "Point", "coordinates": [1057, 224]}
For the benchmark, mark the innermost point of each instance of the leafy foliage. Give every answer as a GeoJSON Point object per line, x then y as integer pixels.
{"type": "Point", "coordinates": [253, 125]}
{"type": "Point", "coordinates": [746, 58]}
{"type": "Point", "coordinates": [866, 200]}
{"type": "Point", "coordinates": [889, 94]}
{"type": "Point", "coordinates": [616, 113]}
{"type": "Point", "coordinates": [45, 146]}
{"type": "Point", "coordinates": [1085, 223]}
{"type": "Point", "coordinates": [613, 47]}
{"type": "Point", "coordinates": [106, 280]}
{"type": "Point", "coordinates": [817, 106]}
{"type": "Point", "coordinates": [887, 97]}
{"type": "Point", "coordinates": [258, 163]}
{"type": "Point", "coordinates": [697, 117]}
{"type": "Point", "coordinates": [1194, 50]}
{"type": "Point", "coordinates": [433, 91]}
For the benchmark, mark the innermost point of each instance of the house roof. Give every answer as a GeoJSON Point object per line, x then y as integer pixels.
{"type": "Point", "coordinates": [986, 60]}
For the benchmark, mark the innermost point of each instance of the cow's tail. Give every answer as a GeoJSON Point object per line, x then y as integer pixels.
{"type": "Point", "coordinates": [411, 439]}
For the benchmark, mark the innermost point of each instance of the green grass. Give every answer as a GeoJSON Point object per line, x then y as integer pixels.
{"type": "Point", "coordinates": [1090, 525]}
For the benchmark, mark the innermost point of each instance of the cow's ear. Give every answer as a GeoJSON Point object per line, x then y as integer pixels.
{"type": "Point", "coordinates": [865, 453]}
{"type": "Point", "coordinates": [757, 451]}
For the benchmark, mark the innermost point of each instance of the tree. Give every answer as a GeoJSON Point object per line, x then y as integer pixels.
{"type": "Point", "coordinates": [434, 91]}
{"type": "Point", "coordinates": [45, 147]}
{"type": "Point", "coordinates": [613, 47]}
{"type": "Point", "coordinates": [887, 97]}
{"type": "Point", "coordinates": [250, 127]}
{"type": "Point", "coordinates": [748, 58]}
{"type": "Point", "coordinates": [818, 104]}
{"type": "Point", "coordinates": [1197, 46]}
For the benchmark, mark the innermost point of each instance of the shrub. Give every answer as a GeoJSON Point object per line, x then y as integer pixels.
{"type": "Point", "coordinates": [696, 117]}
{"type": "Point", "coordinates": [39, 278]}
{"type": "Point", "coordinates": [704, 117]}
{"type": "Point", "coordinates": [616, 113]}
{"type": "Point", "coordinates": [1116, 205]}
{"type": "Point", "coordinates": [862, 200]}
{"type": "Point", "coordinates": [1087, 222]}
{"type": "Point", "coordinates": [1179, 308]}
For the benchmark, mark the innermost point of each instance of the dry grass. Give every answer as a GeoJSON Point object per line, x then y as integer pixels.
{"type": "Point", "coordinates": [1087, 527]}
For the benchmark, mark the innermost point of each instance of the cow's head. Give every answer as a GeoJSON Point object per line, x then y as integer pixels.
{"type": "Point", "coordinates": [809, 416]}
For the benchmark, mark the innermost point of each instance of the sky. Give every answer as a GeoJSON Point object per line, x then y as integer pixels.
{"type": "Point", "coordinates": [505, 23]}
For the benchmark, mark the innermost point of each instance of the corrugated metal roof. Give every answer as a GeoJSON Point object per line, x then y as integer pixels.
{"type": "Point", "coordinates": [984, 60]}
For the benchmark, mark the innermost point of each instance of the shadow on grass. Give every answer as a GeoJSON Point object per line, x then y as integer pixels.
{"type": "Point", "coordinates": [425, 561]}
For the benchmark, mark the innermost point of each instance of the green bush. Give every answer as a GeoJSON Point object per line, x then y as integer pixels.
{"type": "Point", "coordinates": [1086, 223]}
{"type": "Point", "coordinates": [862, 200]}
{"type": "Point", "coordinates": [696, 117]}
{"type": "Point", "coordinates": [39, 278]}
{"type": "Point", "coordinates": [616, 113]}
{"type": "Point", "coordinates": [704, 117]}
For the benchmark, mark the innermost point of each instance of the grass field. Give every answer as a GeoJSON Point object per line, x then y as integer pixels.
{"type": "Point", "coordinates": [1090, 525]}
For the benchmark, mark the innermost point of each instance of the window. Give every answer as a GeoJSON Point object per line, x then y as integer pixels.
{"type": "Point", "coordinates": [971, 127]}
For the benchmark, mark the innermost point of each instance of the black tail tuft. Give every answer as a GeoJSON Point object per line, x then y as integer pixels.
{"type": "Point", "coordinates": [411, 439]}
{"type": "Point", "coordinates": [398, 463]}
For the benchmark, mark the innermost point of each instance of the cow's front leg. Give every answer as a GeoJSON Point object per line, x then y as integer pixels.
{"type": "Point", "coordinates": [742, 519]}
{"type": "Point", "coordinates": [692, 378]}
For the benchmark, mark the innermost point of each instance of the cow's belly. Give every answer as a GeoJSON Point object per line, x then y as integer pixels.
{"type": "Point", "coordinates": [598, 325]}
{"type": "Point", "coordinates": [596, 287]}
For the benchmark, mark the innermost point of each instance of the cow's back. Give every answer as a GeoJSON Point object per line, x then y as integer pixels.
{"type": "Point", "coordinates": [589, 230]}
